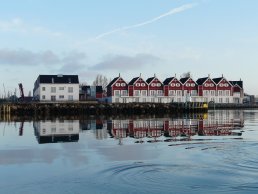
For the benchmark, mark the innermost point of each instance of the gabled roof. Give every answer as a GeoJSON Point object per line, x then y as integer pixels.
{"type": "Point", "coordinates": [112, 82]}
{"type": "Point", "coordinates": [239, 83]}
{"type": "Point", "coordinates": [168, 80]}
{"type": "Point", "coordinates": [133, 80]}
{"type": "Point", "coordinates": [217, 80]}
{"type": "Point", "coordinates": [183, 80]}
{"type": "Point", "coordinates": [59, 79]}
{"type": "Point", "coordinates": [149, 80]}
{"type": "Point", "coordinates": [200, 81]}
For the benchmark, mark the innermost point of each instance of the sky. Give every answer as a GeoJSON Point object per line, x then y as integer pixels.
{"type": "Point", "coordinates": [130, 37]}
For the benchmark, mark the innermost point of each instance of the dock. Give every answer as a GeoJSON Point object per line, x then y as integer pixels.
{"type": "Point", "coordinates": [95, 108]}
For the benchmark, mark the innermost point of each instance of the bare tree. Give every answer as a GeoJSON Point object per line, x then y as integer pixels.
{"type": "Point", "coordinates": [100, 80]}
{"type": "Point", "coordinates": [186, 74]}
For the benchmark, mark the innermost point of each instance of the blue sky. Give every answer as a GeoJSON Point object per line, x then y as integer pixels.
{"type": "Point", "coordinates": [165, 37]}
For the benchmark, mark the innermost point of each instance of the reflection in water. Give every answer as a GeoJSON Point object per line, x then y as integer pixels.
{"type": "Point", "coordinates": [150, 130]}
{"type": "Point", "coordinates": [178, 128]}
{"type": "Point", "coordinates": [57, 131]}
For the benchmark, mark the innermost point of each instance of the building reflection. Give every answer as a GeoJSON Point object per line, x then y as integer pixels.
{"type": "Point", "coordinates": [54, 131]}
{"type": "Point", "coordinates": [184, 128]}
{"type": "Point", "coordinates": [174, 129]}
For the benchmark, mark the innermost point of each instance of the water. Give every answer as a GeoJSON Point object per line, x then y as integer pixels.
{"type": "Point", "coordinates": [214, 152]}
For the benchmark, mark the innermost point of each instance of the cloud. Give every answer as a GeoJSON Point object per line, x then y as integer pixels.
{"type": "Point", "coordinates": [73, 61]}
{"type": "Point", "coordinates": [121, 62]}
{"type": "Point", "coordinates": [69, 62]}
{"type": "Point", "coordinates": [171, 12]}
{"type": "Point", "coordinates": [18, 25]}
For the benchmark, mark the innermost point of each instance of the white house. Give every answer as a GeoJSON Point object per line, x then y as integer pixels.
{"type": "Point", "coordinates": [56, 88]}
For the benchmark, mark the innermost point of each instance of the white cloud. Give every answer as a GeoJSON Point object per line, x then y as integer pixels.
{"type": "Point", "coordinates": [171, 12]}
{"type": "Point", "coordinates": [122, 62]}
{"type": "Point", "coordinates": [69, 62]}
{"type": "Point", "coordinates": [18, 25]}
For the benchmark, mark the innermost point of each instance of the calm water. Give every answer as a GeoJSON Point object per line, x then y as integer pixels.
{"type": "Point", "coordinates": [214, 152]}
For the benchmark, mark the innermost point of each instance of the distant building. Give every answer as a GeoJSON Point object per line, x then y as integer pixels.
{"type": "Point", "coordinates": [56, 88]}
{"type": "Point", "coordinates": [88, 93]}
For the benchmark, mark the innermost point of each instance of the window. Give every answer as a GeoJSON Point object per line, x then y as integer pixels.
{"type": "Point", "coordinates": [153, 84]}
{"type": "Point", "coordinates": [136, 93]}
{"type": "Point", "coordinates": [227, 93]}
{"type": "Point", "coordinates": [61, 97]}
{"type": "Point", "coordinates": [117, 93]}
{"type": "Point", "coordinates": [142, 84]}
{"type": "Point", "coordinates": [123, 84]}
{"type": "Point", "coordinates": [43, 97]}
{"type": "Point", "coordinates": [211, 85]}
{"type": "Point", "coordinates": [117, 84]}
{"type": "Point", "coordinates": [53, 98]}
{"type": "Point", "coordinates": [61, 88]}
{"type": "Point", "coordinates": [220, 100]}
{"type": "Point", "coordinates": [178, 93]}
{"type": "Point", "coordinates": [173, 85]}
{"type": "Point", "coordinates": [53, 89]}
{"type": "Point", "coordinates": [116, 100]}
{"type": "Point", "coordinates": [43, 88]}
{"type": "Point", "coordinates": [212, 93]}
{"type": "Point", "coordinates": [70, 97]}
{"type": "Point", "coordinates": [192, 84]}
{"type": "Point", "coordinates": [124, 92]}
{"type": "Point", "coordinates": [152, 99]}
{"type": "Point", "coordinates": [193, 92]}
{"type": "Point", "coordinates": [144, 100]}
{"type": "Point", "coordinates": [172, 93]}
{"type": "Point", "coordinates": [144, 93]}
{"type": "Point", "coordinates": [70, 89]}
{"type": "Point", "coordinates": [152, 92]}
{"type": "Point", "coordinates": [158, 84]}
{"type": "Point", "coordinates": [227, 100]}
{"type": "Point", "coordinates": [53, 129]}
{"type": "Point", "coordinates": [160, 93]}
{"type": "Point", "coordinates": [137, 84]}
{"type": "Point", "coordinates": [177, 85]}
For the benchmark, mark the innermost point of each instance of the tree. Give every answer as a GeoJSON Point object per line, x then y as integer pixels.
{"type": "Point", "coordinates": [187, 74]}
{"type": "Point", "coordinates": [100, 80]}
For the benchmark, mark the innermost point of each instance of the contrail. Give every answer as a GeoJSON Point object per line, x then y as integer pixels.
{"type": "Point", "coordinates": [171, 12]}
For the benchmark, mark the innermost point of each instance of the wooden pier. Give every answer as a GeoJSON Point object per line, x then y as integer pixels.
{"type": "Point", "coordinates": [94, 108]}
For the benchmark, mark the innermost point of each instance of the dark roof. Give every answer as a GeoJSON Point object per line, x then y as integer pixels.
{"type": "Point", "coordinates": [58, 79]}
{"type": "Point", "coordinates": [239, 83]}
{"type": "Point", "coordinates": [133, 80]}
{"type": "Point", "coordinates": [113, 81]}
{"type": "Point", "coordinates": [99, 89]}
{"type": "Point", "coordinates": [200, 81]}
{"type": "Point", "coordinates": [149, 80]}
{"type": "Point", "coordinates": [217, 80]}
{"type": "Point", "coordinates": [168, 80]}
{"type": "Point", "coordinates": [183, 80]}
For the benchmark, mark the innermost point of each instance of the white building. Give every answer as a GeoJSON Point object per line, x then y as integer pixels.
{"type": "Point", "coordinates": [56, 88]}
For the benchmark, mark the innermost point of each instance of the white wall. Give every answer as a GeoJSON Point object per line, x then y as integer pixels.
{"type": "Point", "coordinates": [60, 95]}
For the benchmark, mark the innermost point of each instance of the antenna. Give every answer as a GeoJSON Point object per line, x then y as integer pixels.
{"type": "Point", "coordinates": [4, 91]}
